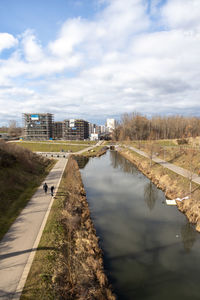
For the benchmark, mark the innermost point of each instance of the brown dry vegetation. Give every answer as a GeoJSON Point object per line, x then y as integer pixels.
{"type": "Point", "coordinates": [70, 265]}
{"type": "Point", "coordinates": [182, 156]}
{"type": "Point", "coordinates": [79, 272]}
{"type": "Point", "coordinates": [171, 183]}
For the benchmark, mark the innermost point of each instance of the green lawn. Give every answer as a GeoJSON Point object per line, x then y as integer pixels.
{"type": "Point", "coordinates": [64, 142]}
{"type": "Point", "coordinates": [51, 147]}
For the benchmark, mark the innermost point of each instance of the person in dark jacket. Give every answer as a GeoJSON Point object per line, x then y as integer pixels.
{"type": "Point", "coordinates": [52, 189]}
{"type": "Point", "coordinates": [45, 187]}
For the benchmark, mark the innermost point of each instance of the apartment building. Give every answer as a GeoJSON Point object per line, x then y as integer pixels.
{"type": "Point", "coordinates": [75, 129]}
{"type": "Point", "coordinates": [38, 126]}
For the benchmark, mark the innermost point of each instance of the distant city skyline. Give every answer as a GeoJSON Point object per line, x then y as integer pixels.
{"type": "Point", "coordinates": [98, 59]}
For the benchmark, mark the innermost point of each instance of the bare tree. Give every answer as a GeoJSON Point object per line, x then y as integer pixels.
{"type": "Point", "coordinates": [135, 126]}
{"type": "Point", "coordinates": [14, 130]}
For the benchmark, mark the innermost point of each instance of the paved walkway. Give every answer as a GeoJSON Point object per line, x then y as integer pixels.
{"type": "Point", "coordinates": [19, 245]}
{"type": "Point", "coordinates": [176, 169]}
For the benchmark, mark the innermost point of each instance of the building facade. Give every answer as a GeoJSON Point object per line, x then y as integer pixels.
{"type": "Point", "coordinates": [38, 126]}
{"type": "Point", "coordinates": [110, 124]}
{"type": "Point", "coordinates": [75, 129]}
{"type": "Point", "coordinates": [58, 130]}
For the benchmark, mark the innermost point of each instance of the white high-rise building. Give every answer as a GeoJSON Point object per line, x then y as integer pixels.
{"type": "Point", "coordinates": [110, 124]}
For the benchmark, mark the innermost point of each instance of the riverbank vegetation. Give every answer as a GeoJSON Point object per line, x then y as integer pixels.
{"type": "Point", "coordinates": [68, 262]}
{"type": "Point", "coordinates": [136, 126]}
{"type": "Point", "coordinates": [95, 152]}
{"type": "Point", "coordinates": [21, 172]}
{"type": "Point", "coordinates": [171, 183]}
{"type": "Point", "coordinates": [185, 155]}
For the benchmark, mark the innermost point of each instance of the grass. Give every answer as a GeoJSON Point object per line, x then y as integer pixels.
{"type": "Point", "coordinates": [49, 147]}
{"type": "Point", "coordinates": [20, 175]}
{"type": "Point", "coordinates": [93, 152]}
{"type": "Point", "coordinates": [180, 155]}
{"type": "Point", "coordinates": [63, 142]}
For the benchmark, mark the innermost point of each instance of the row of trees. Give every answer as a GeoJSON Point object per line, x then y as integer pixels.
{"type": "Point", "coordinates": [136, 126]}
{"type": "Point", "coordinates": [12, 130]}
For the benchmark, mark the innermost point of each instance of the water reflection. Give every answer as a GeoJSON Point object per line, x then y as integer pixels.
{"type": "Point", "coordinates": [150, 250]}
{"type": "Point", "coordinates": [81, 160]}
{"type": "Point", "coordinates": [189, 236]}
{"type": "Point", "coordinates": [119, 162]}
{"type": "Point", "coordinates": [150, 195]}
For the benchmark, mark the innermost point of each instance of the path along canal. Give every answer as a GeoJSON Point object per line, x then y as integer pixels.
{"type": "Point", "coordinates": [150, 250]}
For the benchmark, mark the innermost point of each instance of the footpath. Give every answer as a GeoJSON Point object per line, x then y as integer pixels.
{"type": "Point", "coordinates": [19, 245]}
{"type": "Point", "coordinates": [176, 169]}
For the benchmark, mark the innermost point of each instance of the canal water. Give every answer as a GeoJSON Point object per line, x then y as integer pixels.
{"type": "Point", "coordinates": [150, 250]}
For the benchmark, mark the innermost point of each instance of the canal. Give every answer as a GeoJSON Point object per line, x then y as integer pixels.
{"type": "Point", "coordinates": [150, 250]}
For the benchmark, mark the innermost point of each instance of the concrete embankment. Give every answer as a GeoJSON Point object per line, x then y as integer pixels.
{"type": "Point", "coordinates": [171, 183]}
{"type": "Point", "coordinates": [79, 272]}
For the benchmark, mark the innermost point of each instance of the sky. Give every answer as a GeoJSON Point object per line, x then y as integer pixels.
{"type": "Point", "coordinates": [98, 59]}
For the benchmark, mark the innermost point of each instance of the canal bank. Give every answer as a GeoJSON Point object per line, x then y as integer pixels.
{"type": "Point", "coordinates": [173, 185]}
{"type": "Point", "coordinates": [69, 262]}
{"type": "Point", "coordinates": [150, 249]}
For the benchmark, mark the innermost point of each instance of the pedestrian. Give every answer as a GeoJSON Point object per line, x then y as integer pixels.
{"type": "Point", "coordinates": [52, 189]}
{"type": "Point", "coordinates": [45, 187]}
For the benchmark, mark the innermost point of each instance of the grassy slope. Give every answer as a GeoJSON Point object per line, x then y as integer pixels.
{"type": "Point", "coordinates": [94, 151]}
{"type": "Point", "coordinates": [21, 172]}
{"type": "Point", "coordinates": [181, 156]}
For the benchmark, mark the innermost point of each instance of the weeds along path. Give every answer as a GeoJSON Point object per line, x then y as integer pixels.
{"type": "Point", "coordinates": [18, 247]}
{"type": "Point", "coordinates": [176, 169]}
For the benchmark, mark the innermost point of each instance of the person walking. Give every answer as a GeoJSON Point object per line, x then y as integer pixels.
{"type": "Point", "coordinates": [52, 189]}
{"type": "Point", "coordinates": [45, 187]}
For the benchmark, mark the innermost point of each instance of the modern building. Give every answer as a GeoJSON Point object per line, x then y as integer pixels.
{"type": "Point", "coordinates": [38, 126]}
{"type": "Point", "coordinates": [75, 129]}
{"type": "Point", "coordinates": [110, 124]}
{"type": "Point", "coordinates": [58, 130]}
{"type": "Point", "coordinates": [102, 128]}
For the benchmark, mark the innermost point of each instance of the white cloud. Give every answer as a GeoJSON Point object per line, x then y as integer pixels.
{"type": "Point", "coordinates": [114, 63]}
{"type": "Point", "coordinates": [183, 14]}
{"type": "Point", "coordinates": [72, 33]}
{"type": "Point", "coordinates": [7, 41]}
{"type": "Point", "coordinates": [32, 49]}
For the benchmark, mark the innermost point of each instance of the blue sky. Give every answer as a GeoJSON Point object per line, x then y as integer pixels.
{"type": "Point", "coordinates": [44, 17]}
{"type": "Point", "coordinates": [95, 59]}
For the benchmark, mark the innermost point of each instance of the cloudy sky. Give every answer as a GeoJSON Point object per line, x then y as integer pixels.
{"type": "Point", "coordinates": [95, 59]}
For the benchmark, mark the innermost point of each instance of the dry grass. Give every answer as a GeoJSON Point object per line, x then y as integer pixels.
{"type": "Point", "coordinates": [181, 155]}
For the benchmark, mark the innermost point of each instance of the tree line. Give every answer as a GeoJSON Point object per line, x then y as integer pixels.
{"type": "Point", "coordinates": [136, 126]}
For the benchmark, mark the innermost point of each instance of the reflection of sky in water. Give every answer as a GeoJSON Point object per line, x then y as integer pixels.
{"type": "Point", "coordinates": [151, 252]}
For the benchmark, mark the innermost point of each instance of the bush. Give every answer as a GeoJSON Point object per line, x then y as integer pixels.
{"type": "Point", "coordinates": [182, 141]}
